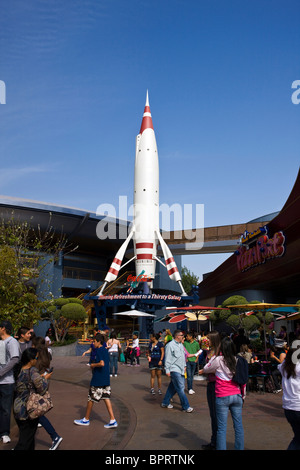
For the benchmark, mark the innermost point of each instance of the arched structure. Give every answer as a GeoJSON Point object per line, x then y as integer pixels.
{"type": "Point", "coordinates": [273, 276]}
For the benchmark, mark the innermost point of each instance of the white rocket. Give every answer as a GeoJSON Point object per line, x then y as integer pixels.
{"type": "Point", "coordinates": [145, 227]}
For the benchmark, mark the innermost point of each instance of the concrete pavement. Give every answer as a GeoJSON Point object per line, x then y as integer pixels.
{"type": "Point", "coordinates": [143, 424]}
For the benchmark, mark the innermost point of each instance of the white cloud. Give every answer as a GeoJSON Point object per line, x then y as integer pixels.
{"type": "Point", "coordinates": [10, 175]}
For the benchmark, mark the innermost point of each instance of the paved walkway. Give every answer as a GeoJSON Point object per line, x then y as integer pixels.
{"type": "Point", "coordinates": [143, 424]}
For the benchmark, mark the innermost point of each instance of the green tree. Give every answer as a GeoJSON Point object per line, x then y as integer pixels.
{"type": "Point", "coordinates": [234, 318]}
{"type": "Point", "coordinates": [219, 316]}
{"type": "Point", "coordinates": [234, 300]}
{"type": "Point", "coordinates": [24, 254]}
{"type": "Point", "coordinates": [62, 313]}
{"type": "Point", "coordinates": [233, 321]}
{"type": "Point", "coordinates": [188, 279]}
{"type": "Point", "coordinates": [250, 323]}
{"type": "Point", "coordinates": [18, 302]}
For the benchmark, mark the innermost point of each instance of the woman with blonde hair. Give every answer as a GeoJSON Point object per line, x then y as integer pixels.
{"type": "Point", "coordinates": [246, 353]}
{"type": "Point", "coordinates": [168, 336]}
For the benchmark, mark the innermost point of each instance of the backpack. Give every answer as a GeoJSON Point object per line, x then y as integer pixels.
{"type": "Point", "coordinates": [241, 373]}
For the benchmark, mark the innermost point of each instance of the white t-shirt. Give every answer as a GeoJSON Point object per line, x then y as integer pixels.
{"type": "Point", "coordinates": [48, 340]}
{"type": "Point", "coordinates": [11, 350]}
{"type": "Point", "coordinates": [291, 389]}
{"type": "Point", "coordinates": [2, 352]}
{"type": "Point", "coordinates": [114, 347]}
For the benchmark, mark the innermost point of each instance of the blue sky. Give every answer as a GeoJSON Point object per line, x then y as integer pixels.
{"type": "Point", "coordinates": [219, 76]}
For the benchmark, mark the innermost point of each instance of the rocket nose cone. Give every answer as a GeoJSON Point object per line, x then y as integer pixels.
{"type": "Point", "coordinates": [147, 118]}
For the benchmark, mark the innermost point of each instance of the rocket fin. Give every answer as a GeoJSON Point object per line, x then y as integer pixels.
{"type": "Point", "coordinates": [170, 263]}
{"type": "Point", "coordinates": [115, 266]}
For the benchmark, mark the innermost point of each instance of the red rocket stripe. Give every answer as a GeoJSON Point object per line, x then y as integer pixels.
{"type": "Point", "coordinates": [144, 256]}
{"type": "Point", "coordinates": [113, 271]}
{"type": "Point", "coordinates": [170, 260]}
{"type": "Point", "coordinates": [117, 261]}
{"type": "Point", "coordinates": [146, 123]}
{"type": "Point", "coordinates": [172, 271]}
{"type": "Point", "coordinates": [144, 245]}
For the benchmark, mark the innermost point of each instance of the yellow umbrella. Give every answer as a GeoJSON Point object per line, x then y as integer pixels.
{"type": "Point", "coordinates": [196, 309]}
{"type": "Point", "coordinates": [194, 317]}
{"type": "Point", "coordinates": [293, 316]}
{"type": "Point", "coordinates": [261, 306]}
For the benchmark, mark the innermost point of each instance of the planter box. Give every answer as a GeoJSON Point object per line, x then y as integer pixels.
{"type": "Point", "coordinates": [68, 350]}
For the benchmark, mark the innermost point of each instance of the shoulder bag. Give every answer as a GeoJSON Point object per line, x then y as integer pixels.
{"type": "Point", "coordinates": [37, 405]}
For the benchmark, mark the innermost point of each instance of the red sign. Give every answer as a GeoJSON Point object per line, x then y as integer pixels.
{"type": "Point", "coordinates": [265, 248]}
{"type": "Point", "coordinates": [140, 278]}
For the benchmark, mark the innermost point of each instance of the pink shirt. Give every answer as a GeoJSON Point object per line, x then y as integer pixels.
{"type": "Point", "coordinates": [224, 384]}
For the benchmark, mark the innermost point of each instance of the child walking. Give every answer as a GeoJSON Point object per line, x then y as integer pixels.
{"type": "Point", "coordinates": [99, 385]}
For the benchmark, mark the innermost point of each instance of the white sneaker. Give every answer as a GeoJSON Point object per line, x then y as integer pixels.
{"type": "Point", "coordinates": [6, 439]}
{"type": "Point", "coordinates": [167, 406]}
{"type": "Point", "coordinates": [191, 392]}
{"type": "Point", "coordinates": [189, 410]}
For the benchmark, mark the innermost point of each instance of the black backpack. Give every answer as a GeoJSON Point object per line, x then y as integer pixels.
{"type": "Point", "coordinates": [241, 373]}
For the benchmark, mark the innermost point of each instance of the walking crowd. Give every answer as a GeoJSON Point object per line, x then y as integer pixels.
{"type": "Point", "coordinates": [24, 371]}
{"type": "Point", "coordinates": [223, 360]}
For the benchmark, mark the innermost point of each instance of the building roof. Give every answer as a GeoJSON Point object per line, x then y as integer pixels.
{"type": "Point", "coordinates": [77, 224]}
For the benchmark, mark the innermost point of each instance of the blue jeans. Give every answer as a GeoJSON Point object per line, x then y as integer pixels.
{"type": "Point", "coordinates": [6, 401]}
{"type": "Point", "coordinates": [234, 404]}
{"type": "Point", "coordinates": [48, 427]}
{"type": "Point", "coordinates": [293, 418]}
{"type": "Point", "coordinates": [113, 362]}
{"type": "Point", "coordinates": [190, 372]}
{"type": "Point", "coordinates": [176, 385]}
